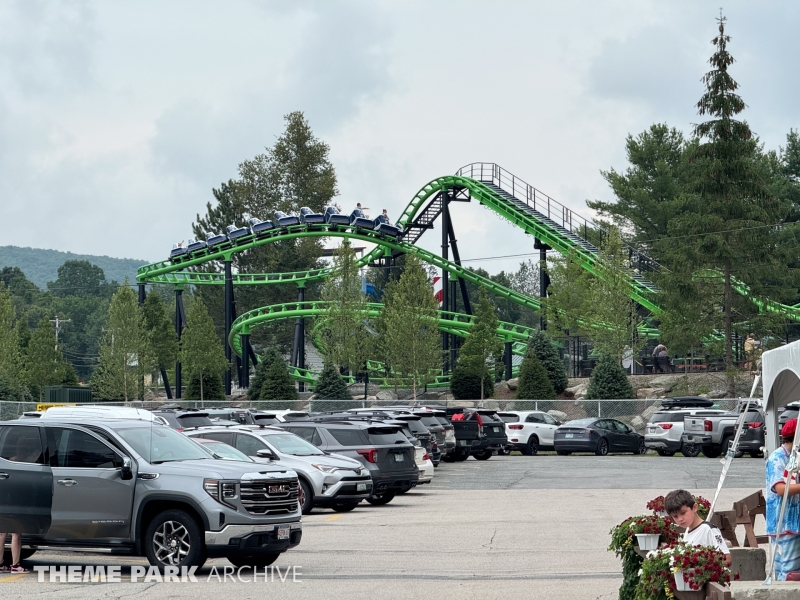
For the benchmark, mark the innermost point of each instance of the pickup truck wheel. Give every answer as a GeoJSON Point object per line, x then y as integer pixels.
{"type": "Point", "coordinates": [532, 447]}
{"type": "Point", "coordinates": [174, 539]}
{"type": "Point", "coordinates": [462, 455]}
{"type": "Point", "coordinates": [305, 497]}
{"type": "Point", "coordinates": [255, 561]}
{"type": "Point", "coordinates": [344, 506]}
{"type": "Point", "coordinates": [662, 452]}
{"type": "Point", "coordinates": [602, 447]}
{"type": "Point", "coordinates": [711, 451]}
{"type": "Point", "coordinates": [381, 499]}
{"type": "Point", "coordinates": [485, 455]}
{"type": "Point", "coordinates": [690, 450]}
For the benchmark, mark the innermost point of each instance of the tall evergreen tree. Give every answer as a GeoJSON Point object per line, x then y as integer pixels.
{"type": "Point", "coordinates": [123, 356]}
{"type": "Point", "coordinates": [9, 340]}
{"type": "Point", "coordinates": [409, 336]}
{"type": "Point", "coordinates": [200, 350]}
{"type": "Point", "coordinates": [548, 355]}
{"type": "Point", "coordinates": [277, 384]}
{"type": "Point", "coordinates": [482, 352]}
{"type": "Point", "coordinates": [295, 172]}
{"type": "Point", "coordinates": [45, 365]}
{"type": "Point", "coordinates": [331, 385]}
{"type": "Point", "coordinates": [534, 383]}
{"type": "Point", "coordinates": [608, 381]}
{"type": "Point", "coordinates": [342, 330]}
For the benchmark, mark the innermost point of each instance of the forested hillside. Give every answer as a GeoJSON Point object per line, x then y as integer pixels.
{"type": "Point", "coordinates": [41, 266]}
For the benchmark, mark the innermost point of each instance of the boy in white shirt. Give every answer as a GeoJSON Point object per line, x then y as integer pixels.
{"type": "Point", "coordinates": [682, 508]}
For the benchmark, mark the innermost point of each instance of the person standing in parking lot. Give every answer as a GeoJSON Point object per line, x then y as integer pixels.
{"type": "Point", "coordinates": [787, 541]}
{"type": "Point", "coordinates": [16, 553]}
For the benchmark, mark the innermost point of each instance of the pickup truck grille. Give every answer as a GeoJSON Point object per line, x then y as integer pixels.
{"type": "Point", "coordinates": [273, 497]}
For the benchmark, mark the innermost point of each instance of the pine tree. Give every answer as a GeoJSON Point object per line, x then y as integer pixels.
{"type": "Point", "coordinates": [465, 383]}
{"type": "Point", "coordinates": [534, 382]}
{"type": "Point", "coordinates": [331, 385]}
{"type": "Point", "coordinates": [609, 381]}
{"type": "Point", "coordinates": [210, 388]}
{"type": "Point", "coordinates": [254, 391]}
{"type": "Point", "coordinates": [277, 383]}
{"type": "Point", "coordinates": [481, 355]}
{"type": "Point", "coordinates": [548, 355]}
{"type": "Point", "coordinates": [409, 336]}
{"type": "Point", "coordinates": [341, 330]}
{"type": "Point", "coordinates": [45, 365]}
{"type": "Point", "coordinates": [201, 353]}
{"type": "Point", "coordinates": [123, 356]}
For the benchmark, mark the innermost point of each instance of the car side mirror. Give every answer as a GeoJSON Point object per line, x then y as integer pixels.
{"type": "Point", "coordinates": [266, 454]}
{"type": "Point", "coordinates": [126, 471]}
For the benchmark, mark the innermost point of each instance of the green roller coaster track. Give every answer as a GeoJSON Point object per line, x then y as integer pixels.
{"type": "Point", "coordinates": [487, 193]}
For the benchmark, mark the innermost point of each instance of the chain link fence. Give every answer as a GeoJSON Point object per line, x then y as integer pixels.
{"type": "Point", "coordinates": [634, 413]}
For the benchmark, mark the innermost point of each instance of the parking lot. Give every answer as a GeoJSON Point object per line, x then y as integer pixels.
{"type": "Point", "coordinates": [512, 526]}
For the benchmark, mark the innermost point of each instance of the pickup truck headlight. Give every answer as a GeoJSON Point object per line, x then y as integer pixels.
{"type": "Point", "coordinates": [326, 468]}
{"type": "Point", "coordinates": [221, 491]}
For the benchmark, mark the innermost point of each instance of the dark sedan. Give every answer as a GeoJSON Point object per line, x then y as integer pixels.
{"type": "Point", "coordinates": [597, 435]}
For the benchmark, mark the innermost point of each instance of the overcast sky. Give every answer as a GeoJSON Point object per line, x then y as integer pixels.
{"type": "Point", "coordinates": [117, 118]}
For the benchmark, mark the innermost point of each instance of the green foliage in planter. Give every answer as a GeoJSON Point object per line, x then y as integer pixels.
{"type": "Point", "coordinates": [623, 542]}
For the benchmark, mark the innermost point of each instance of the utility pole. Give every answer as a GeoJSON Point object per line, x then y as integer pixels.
{"type": "Point", "coordinates": [58, 323]}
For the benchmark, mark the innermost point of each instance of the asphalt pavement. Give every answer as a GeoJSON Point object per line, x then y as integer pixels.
{"type": "Point", "coordinates": [512, 526]}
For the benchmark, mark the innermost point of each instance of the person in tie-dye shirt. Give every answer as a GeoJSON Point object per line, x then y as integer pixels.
{"type": "Point", "coordinates": [787, 544]}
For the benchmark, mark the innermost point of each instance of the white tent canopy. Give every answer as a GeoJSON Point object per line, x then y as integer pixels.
{"type": "Point", "coordinates": [780, 370]}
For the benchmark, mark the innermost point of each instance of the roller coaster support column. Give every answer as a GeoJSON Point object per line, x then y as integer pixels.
{"type": "Point", "coordinates": [453, 337]}
{"type": "Point", "coordinates": [228, 320]}
{"type": "Point", "coordinates": [142, 294]}
{"type": "Point", "coordinates": [244, 374]}
{"type": "Point", "coordinates": [457, 259]}
{"type": "Point", "coordinates": [180, 322]}
{"type": "Point", "coordinates": [299, 349]}
{"type": "Point", "coordinates": [445, 279]}
{"type": "Point", "coordinates": [507, 357]}
{"type": "Point", "coordinates": [544, 278]}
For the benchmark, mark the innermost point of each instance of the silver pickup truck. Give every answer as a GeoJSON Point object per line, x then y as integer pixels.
{"type": "Point", "coordinates": [143, 489]}
{"type": "Point", "coordinates": [713, 433]}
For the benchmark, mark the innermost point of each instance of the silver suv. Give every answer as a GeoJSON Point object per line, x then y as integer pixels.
{"type": "Point", "coordinates": [665, 429]}
{"type": "Point", "coordinates": [326, 480]}
{"type": "Point", "coordinates": [141, 488]}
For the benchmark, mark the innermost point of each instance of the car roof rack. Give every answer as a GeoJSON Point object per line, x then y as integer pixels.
{"type": "Point", "coordinates": [686, 402]}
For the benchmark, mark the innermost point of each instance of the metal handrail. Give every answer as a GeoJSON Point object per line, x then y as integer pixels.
{"type": "Point", "coordinates": [542, 203]}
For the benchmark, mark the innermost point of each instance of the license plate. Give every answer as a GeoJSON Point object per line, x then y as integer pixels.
{"type": "Point", "coordinates": [568, 435]}
{"type": "Point", "coordinates": [463, 442]}
{"type": "Point", "coordinates": [399, 457]}
{"type": "Point", "coordinates": [496, 429]}
{"type": "Point", "coordinates": [651, 429]}
{"type": "Point", "coordinates": [361, 487]}
{"type": "Point", "coordinates": [283, 533]}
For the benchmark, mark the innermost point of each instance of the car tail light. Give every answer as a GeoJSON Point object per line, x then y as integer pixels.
{"type": "Point", "coordinates": [180, 429]}
{"type": "Point", "coordinates": [707, 425]}
{"type": "Point", "coordinates": [665, 425]}
{"type": "Point", "coordinates": [755, 425]}
{"type": "Point", "coordinates": [371, 455]}
{"type": "Point", "coordinates": [515, 426]}
{"type": "Point", "coordinates": [426, 456]}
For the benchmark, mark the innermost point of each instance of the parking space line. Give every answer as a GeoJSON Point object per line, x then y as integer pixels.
{"type": "Point", "coordinates": [334, 517]}
{"type": "Point", "coordinates": [8, 578]}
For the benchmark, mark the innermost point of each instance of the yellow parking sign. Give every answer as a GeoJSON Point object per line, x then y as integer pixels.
{"type": "Point", "coordinates": [44, 406]}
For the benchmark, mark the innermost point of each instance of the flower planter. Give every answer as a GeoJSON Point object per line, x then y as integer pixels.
{"type": "Point", "coordinates": [680, 584]}
{"type": "Point", "coordinates": [648, 541]}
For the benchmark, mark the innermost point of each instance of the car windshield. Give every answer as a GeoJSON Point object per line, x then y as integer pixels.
{"type": "Point", "coordinates": [431, 422]}
{"type": "Point", "coordinates": [225, 451]}
{"type": "Point", "coordinates": [159, 444]}
{"type": "Point", "coordinates": [508, 417]}
{"type": "Point", "coordinates": [289, 443]}
{"type": "Point", "coordinates": [580, 422]}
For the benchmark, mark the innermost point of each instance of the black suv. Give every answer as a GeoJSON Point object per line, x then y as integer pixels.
{"type": "Point", "coordinates": [492, 432]}
{"type": "Point", "coordinates": [413, 422]}
{"type": "Point", "coordinates": [752, 439]}
{"type": "Point", "coordinates": [182, 418]}
{"type": "Point", "coordinates": [381, 448]}
{"type": "Point", "coordinates": [788, 412]}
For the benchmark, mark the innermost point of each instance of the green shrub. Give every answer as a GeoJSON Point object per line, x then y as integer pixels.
{"type": "Point", "coordinates": [609, 381]}
{"type": "Point", "coordinates": [549, 356]}
{"type": "Point", "coordinates": [465, 384]}
{"type": "Point", "coordinates": [212, 387]}
{"type": "Point", "coordinates": [277, 384]}
{"type": "Point", "coordinates": [332, 386]}
{"type": "Point", "coordinates": [534, 382]}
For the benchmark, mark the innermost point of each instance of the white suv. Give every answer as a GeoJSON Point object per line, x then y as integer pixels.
{"type": "Point", "coordinates": [665, 428]}
{"type": "Point", "coordinates": [529, 430]}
